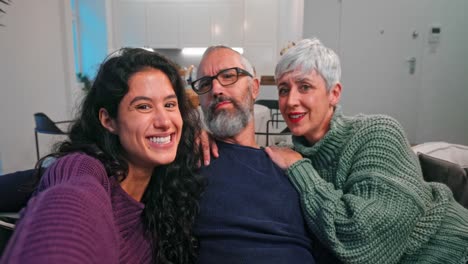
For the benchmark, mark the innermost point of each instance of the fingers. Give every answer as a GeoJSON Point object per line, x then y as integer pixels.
{"type": "Point", "coordinates": [214, 148]}
{"type": "Point", "coordinates": [205, 147]}
{"type": "Point", "coordinates": [277, 159]}
{"type": "Point", "coordinates": [197, 145]}
{"type": "Point", "coordinates": [269, 151]}
{"type": "Point", "coordinates": [283, 157]}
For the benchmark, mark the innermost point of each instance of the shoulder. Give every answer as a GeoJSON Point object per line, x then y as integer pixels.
{"type": "Point", "coordinates": [362, 120]}
{"type": "Point", "coordinates": [73, 168]}
{"type": "Point", "coordinates": [66, 217]}
{"type": "Point", "coordinates": [75, 177]}
{"type": "Point", "coordinates": [377, 125]}
{"type": "Point", "coordinates": [374, 134]}
{"type": "Point", "coordinates": [74, 184]}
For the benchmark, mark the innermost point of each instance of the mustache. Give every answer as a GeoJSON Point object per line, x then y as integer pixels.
{"type": "Point", "coordinates": [220, 99]}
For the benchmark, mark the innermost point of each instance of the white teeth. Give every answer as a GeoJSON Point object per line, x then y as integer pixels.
{"type": "Point", "coordinates": [160, 140]}
{"type": "Point", "coordinates": [296, 116]}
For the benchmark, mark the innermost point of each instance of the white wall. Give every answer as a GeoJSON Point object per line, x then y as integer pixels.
{"type": "Point", "coordinates": [432, 103]}
{"type": "Point", "coordinates": [443, 103]}
{"type": "Point", "coordinates": [35, 75]}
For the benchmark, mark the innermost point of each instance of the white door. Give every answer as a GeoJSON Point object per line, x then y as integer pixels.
{"type": "Point", "coordinates": [383, 73]}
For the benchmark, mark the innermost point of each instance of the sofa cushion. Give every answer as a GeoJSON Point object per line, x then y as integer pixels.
{"type": "Point", "coordinates": [16, 189]}
{"type": "Point", "coordinates": [447, 151]}
{"type": "Point", "coordinates": [451, 174]}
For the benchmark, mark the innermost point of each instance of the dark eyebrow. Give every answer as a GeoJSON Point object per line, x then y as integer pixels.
{"type": "Point", "coordinates": [138, 98]}
{"type": "Point", "coordinates": [145, 98]}
{"type": "Point", "coordinates": [172, 96]}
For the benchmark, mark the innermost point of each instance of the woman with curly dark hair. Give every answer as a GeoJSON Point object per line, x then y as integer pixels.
{"type": "Point", "coordinates": [123, 187]}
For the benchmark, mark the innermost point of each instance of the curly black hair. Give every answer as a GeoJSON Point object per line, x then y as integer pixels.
{"type": "Point", "coordinates": [171, 198]}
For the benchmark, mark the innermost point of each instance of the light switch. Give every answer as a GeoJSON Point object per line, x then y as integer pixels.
{"type": "Point", "coordinates": [434, 35]}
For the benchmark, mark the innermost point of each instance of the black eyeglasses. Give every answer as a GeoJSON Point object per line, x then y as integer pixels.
{"type": "Point", "coordinates": [224, 77]}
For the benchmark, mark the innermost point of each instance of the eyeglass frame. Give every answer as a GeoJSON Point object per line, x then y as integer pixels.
{"type": "Point", "coordinates": [239, 71]}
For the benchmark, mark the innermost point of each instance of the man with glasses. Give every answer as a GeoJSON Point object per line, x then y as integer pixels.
{"type": "Point", "coordinates": [250, 212]}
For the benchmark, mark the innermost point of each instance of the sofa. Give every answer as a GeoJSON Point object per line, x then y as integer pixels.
{"type": "Point", "coordinates": [446, 163]}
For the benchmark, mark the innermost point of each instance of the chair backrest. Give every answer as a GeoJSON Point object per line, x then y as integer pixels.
{"type": "Point", "coordinates": [272, 104]}
{"type": "Point", "coordinates": [45, 125]}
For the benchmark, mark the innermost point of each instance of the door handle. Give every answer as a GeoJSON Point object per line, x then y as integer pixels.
{"type": "Point", "coordinates": [412, 65]}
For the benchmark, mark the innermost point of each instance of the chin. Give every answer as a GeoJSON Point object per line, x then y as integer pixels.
{"type": "Point", "coordinates": [160, 159]}
{"type": "Point", "coordinates": [166, 160]}
{"type": "Point", "coordinates": [296, 132]}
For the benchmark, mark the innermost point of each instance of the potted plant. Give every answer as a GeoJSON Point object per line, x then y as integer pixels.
{"type": "Point", "coordinates": [84, 79]}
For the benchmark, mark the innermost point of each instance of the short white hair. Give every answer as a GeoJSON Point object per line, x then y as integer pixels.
{"type": "Point", "coordinates": [244, 61]}
{"type": "Point", "coordinates": [308, 55]}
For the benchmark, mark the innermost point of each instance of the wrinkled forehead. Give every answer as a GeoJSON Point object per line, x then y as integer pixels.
{"type": "Point", "coordinates": [217, 61]}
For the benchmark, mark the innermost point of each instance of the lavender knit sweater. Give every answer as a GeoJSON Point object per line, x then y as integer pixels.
{"type": "Point", "coordinates": [79, 215]}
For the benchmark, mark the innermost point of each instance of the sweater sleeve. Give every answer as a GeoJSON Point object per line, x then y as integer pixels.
{"type": "Point", "coordinates": [379, 213]}
{"type": "Point", "coordinates": [69, 220]}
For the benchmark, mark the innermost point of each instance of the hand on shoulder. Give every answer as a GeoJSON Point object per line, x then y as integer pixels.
{"type": "Point", "coordinates": [284, 157]}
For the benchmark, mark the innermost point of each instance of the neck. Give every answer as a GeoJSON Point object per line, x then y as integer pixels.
{"type": "Point", "coordinates": [320, 132]}
{"type": "Point", "coordinates": [136, 182]}
{"type": "Point", "coordinates": [244, 138]}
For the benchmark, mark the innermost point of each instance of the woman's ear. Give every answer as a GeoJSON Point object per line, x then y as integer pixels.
{"type": "Point", "coordinates": [335, 94]}
{"type": "Point", "coordinates": [106, 121]}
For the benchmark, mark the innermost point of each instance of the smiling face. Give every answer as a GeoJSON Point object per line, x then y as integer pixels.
{"type": "Point", "coordinates": [148, 123]}
{"type": "Point", "coordinates": [306, 105]}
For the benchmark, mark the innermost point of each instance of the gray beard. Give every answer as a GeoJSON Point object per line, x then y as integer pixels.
{"type": "Point", "coordinates": [225, 123]}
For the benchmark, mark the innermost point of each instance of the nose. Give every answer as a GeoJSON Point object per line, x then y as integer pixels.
{"type": "Point", "coordinates": [161, 120]}
{"type": "Point", "coordinates": [216, 88]}
{"type": "Point", "coordinates": [293, 97]}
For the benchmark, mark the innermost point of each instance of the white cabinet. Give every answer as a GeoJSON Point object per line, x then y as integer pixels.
{"type": "Point", "coordinates": [129, 24]}
{"type": "Point", "coordinates": [228, 23]}
{"type": "Point", "coordinates": [177, 24]}
{"type": "Point", "coordinates": [261, 18]}
{"type": "Point", "coordinates": [261, 27]}
{"type": "Point", "coordinates": [195, 26]}
{"type": "Point", "coordinates": [212, 23]}
{"type": "Point", "coordinates": [162, 23]}
{"type": "Point", "coordinates": [260, 34]}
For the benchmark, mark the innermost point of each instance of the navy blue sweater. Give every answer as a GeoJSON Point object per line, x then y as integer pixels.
{"type": "Point", "coordinates": [250, 212]}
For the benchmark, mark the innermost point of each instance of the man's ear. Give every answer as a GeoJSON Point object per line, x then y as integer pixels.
{"type": "Point", "coordinates": [255, 88]}
{"type": "Point", "coordinates": [335, 94]}
{"type": "Point", "coordinates": [106, 121]}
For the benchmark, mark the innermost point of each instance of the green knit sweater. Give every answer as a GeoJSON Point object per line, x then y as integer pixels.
{"type": "Point", "coordinates": [364, 196]}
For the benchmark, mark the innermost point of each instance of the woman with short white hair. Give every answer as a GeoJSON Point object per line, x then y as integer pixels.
{"type": "Point", "coordinates": [361, 186]}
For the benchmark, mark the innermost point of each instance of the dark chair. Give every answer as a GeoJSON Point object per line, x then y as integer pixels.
{"type": "Point", "coordinates": [45, 125]}
{"type": "Point", "coordinates": [6, 231]}
{"type": "Point", "coordinates": [15, 190]}
{"type": "Point", "coordinates": [268, 133]}
{"type": "Point", "coordinates": [274, 120]}
{"type": "Point", "coordinates": [274, 108]}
